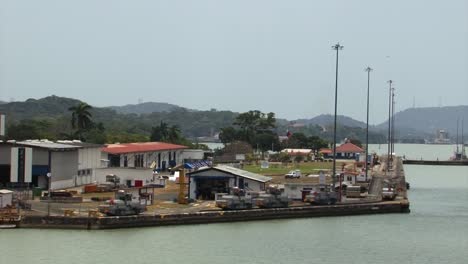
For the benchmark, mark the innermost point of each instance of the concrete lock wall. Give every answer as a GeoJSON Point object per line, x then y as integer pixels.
{"type": "Point", "coordinates": [211, 217]}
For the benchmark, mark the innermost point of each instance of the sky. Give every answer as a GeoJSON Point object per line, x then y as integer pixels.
{"type": "Point", "coordinates": [273, 56]}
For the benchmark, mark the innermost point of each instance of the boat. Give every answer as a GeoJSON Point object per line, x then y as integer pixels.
{"type": "Point", "coordinates": [7, 226]}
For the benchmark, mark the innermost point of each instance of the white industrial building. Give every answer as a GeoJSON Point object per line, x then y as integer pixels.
{"type": "Point", "coordinates": [205, 183]}
{"type": "Point", "coordinates": [63, 164]}
{"type": "Point", "coordinates": [48, 164]}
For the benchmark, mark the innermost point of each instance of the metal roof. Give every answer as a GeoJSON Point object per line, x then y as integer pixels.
{"type": "Point", "coordinates": [47, 145]}
{"type": "Point", "coordinates": [349, 148]}
{"type": "Point", "coordinates": [236, 172]}
{"type": "Point", "coordinates": [79, 143]}
{"type": "Point", "coordinates": [140, 147]}
{"type": "Point", "coordinates": [5, 191]}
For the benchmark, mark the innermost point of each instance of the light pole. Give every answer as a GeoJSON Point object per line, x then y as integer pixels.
{"type": "Point", "coordinates": [336, 47]}
{"type": "Point", "coordinates": [393, 122]}
{"type": "Point", "coordinates": [389, 124]}
{"type": "Point", "coordinates": [368, 70]}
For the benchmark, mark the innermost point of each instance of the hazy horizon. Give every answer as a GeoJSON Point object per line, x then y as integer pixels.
{"type": "Point", "coordinates": [273, 56]}
{"type": "Point", "coordinates": [279, 117]}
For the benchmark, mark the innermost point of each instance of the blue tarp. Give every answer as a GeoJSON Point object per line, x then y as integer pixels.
{"type": "Point", "coordinates": [197, 164]}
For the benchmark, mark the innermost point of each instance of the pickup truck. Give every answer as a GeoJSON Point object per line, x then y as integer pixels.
{"type": "Point", "coordinates": [294, 174]}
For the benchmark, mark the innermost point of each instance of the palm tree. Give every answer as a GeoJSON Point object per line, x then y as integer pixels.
{"type": "Point", "coordinates": [174, 134]}
{"type": "Point", "coordinates": [81, 117]}
{"type": "Point", "coordinates": [160, 133]}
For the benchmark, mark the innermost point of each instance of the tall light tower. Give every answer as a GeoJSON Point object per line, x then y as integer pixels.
{"type": "Point", "coordinates": [393, 123]}
{"type": "Point", "coordinates": [368, 70]}
{"type": "Point", "coordinates": [389, 125]}
{"type": "Point", "coordinates": [336, 47]}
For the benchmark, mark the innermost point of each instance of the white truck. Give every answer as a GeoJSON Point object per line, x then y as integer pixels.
{"type": "Point", "coordinates": [294, 174]}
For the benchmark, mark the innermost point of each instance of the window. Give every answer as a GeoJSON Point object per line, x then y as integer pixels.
{"type": "Point", "coordinates": [139, 160]}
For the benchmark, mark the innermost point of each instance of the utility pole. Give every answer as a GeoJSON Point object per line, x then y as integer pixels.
{"type": "Point", "coordinates": [336, 47]}
{"type": "Point", "coordinates": [389, 124]}
{"type": "Point", "coordinates": [368, 70]}
{"type": "Point", "coordinates": [456, 154]}
{"type": "Point", "coordinates": [393, 122]}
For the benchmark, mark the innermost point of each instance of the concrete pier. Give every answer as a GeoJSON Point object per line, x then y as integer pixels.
{"type": "Point", "coordinates": [382, 174]}
{"type": "Point", "coordinates": [213, 217]}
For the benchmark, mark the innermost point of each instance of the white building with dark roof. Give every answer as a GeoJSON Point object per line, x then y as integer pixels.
{"type": "Point", "coordinates": [47, 164]}
{"type": "Point", "coordinates": [205, 183]}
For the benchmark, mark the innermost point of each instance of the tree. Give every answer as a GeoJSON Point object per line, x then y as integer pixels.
{"type": "Point", "coordinates": [81, 118]}
{"type": "Point", "coordinates": [267, 141]}
{"type": "Point", "coordinates": [228, 134]}
{"type": "Point", "coordinates": [255, 128]}
{"type": "Point", "coordinates": [317, 143]}
{"type": "Point", "coordinates": [298, 158]}
{"type": "Point", "coordinates": [173, 134]}
{"type": "Point", "coordinates": [160, 133]}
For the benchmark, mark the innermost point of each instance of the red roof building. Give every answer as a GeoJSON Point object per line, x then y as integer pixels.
{"type": "Point", "coordinates": [155, 155]}
{"type": "Point", "coordinates": [349, 148]}
{"type": "Point", "coordinates": [345, 151]}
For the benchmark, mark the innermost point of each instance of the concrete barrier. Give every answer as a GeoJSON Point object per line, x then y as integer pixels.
{"type": "Point", "coordinates": [212, 216]}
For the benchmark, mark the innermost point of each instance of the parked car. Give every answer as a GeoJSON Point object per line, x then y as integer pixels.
{"type": "Point", "coordinates": [294, 174]}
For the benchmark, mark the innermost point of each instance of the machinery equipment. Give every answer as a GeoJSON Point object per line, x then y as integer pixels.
{"type": "Point", "coordinates": [237, 200]}
{"type": "Point", "coordinates": [325, 196]}
{"type": "Point", "coordinates": [272, 199]}
{"type": "Point", "coordinates": [121, 205]}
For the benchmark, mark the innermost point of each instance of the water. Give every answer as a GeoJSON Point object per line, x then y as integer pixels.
{"type": "Point", "coordinates": [436, 231]}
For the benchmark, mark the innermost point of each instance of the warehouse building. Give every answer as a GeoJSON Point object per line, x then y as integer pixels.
{"type": "Point", "coordinates": [47, 164]}
{"type": "Point", "coordinates": [205, 183]}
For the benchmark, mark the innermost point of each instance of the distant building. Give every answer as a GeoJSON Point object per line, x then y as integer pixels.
{"type": "Point", "coordinates": [293, 153]}
{"type": "Point", "coordinates": [344, 151]}
{"type": "Point", "coordinates": [442, 137]}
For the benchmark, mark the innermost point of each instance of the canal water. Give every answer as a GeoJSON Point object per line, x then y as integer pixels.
{"type": "Point", "coordinates": [436, 231]}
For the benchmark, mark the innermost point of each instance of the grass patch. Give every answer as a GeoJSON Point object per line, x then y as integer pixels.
{"type": "Point", "coordinates": [281, 169]}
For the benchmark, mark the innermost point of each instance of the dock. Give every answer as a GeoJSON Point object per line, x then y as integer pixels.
{"type": "Point", "coordinates": [437, 162]}
{"type": "Point", "coordinates": [373, 204]}
{"type": "Point", "coordinates": [96, 223]}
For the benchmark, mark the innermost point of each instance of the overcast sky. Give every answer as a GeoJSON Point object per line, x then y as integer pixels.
{"type": "Point", "coordinates": [274, 56]}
